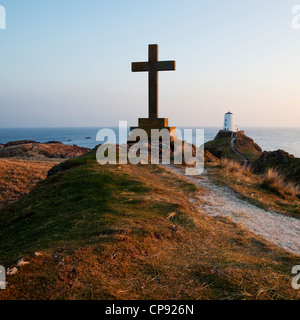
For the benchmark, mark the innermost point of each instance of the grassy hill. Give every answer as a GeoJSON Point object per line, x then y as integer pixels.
{"type": "Point", "coordinates": [24, 163]}
{"type": "Point", "coordinates": [281, 161]}
{"type": "Point", "coordinates": [132, 232]}
{"type": "Point", "coordinates": [221, 147]}
{"type": "Point", "coordinates": [18, 177]}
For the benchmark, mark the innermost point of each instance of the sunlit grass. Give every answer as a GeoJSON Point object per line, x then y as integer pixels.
{"type": "Point", "coordinates": [18, 177]}
{"type": "Point", "coordinates": [132, 232]}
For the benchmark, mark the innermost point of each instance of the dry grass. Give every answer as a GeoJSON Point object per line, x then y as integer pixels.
{"type": "Point", "coordinates": [269, 191]}
{"type": "Point", "coordinates": [19, 177]}
{"type": "Point", "coordinates": [234, 166]}
{"type": "Point", "coordinates": [132, 232]}
{"type": "Point", "coordinates": [276, 182]}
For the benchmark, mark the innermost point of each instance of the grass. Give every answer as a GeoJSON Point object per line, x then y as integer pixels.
{"type": "Point", "coordinates": [18, 178]}
{"type": "Point", "coordinates": [248, 147]}
{"type": "Point", "coordinates": [276, 183]}
{"type": "Point", "coordinates": [269, 191]}
{"type": "Point", "coordinates": [286, 165]}
{"type": "Point", "coordinates": [223, 146]}
{"type": "Point", "coordinates": [245, 145]}
{"type": "Point", "coordinates": [234, 166]}
{"type": "Point", "coordinates": [132, 232]}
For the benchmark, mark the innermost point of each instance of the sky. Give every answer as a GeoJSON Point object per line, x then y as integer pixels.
{"type": "Point", "coordinates": [68, 62]}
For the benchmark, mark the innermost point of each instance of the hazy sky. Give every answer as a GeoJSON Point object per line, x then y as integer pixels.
{"type": "Point", "coordinates": [68, 62]}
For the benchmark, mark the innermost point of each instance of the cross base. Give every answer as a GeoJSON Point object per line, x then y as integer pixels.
{"type": "Point", "coordinates": [159, 123]}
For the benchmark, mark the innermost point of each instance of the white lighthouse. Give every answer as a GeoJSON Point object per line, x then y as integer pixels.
{"type": "Point", "coordinates": [229, 123]}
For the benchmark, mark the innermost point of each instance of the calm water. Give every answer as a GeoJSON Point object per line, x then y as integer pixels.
{"type": "Point", "coordinates": [268, 138]}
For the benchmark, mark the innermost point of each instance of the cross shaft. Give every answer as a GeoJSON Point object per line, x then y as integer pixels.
{"type": "Point", "coordinates": [153, 66]}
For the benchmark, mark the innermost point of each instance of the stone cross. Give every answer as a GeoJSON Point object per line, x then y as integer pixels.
{"type": "Point", "coordinates": [153, 66]}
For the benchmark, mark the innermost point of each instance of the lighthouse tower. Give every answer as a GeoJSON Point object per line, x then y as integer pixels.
{"type": "Point", "coordinates": [230, 129]}
{"type": "Point", "coordinates": [229, 124]}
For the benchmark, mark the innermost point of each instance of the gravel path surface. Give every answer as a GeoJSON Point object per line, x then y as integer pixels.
{"type": "Point", "coordinates": [282, 230]}
{"type": "Point", "coordinates": [238, 153]}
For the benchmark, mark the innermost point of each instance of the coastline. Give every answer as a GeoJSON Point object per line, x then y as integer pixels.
{"type": "Point", "coordinates": [269, 139]}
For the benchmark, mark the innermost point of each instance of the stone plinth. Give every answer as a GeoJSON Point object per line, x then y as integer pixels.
{"type": "Point", "coordinates": [159, 123]}
{"type": "Point", "coordinates": [153, 66]}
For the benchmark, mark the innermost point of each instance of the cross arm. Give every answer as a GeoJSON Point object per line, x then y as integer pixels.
{"type": "Point", "coordinates": [140, 66]}
{"type": "Point", "coordinates": [166, 65]}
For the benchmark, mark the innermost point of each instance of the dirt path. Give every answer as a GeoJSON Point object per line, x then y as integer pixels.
{"type": "Point", "coordinates": [282, 230]}
{"type": "Point", "coordinates": [237, 152]}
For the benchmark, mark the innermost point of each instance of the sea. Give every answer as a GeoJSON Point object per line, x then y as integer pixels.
{"type": "Point", "coordinates": [269, 139]}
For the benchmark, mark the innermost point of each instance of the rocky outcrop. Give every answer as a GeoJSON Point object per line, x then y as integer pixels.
{"type": "Point", "coordinates": [20, 142]}
{"type": "Point", "coordinates": [280, 160]}
{"type": "Point", "coordinates": [272, 159]}
{"type": "Point", "coordinates": [52, 142]}
{"type": "Point", "coordinates": [228, 134]}
{"type": "Point", "coordinates": [40, 151]}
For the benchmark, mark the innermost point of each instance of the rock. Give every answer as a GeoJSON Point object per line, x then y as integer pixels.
{"type": "Point", "coordinates": [88, 138]}
{"type": "Point", "coordinates": [41, 151]}
{"type": "Point", "coordinates": [38, 254]}
{"type": "Point", "coordinates": [11, 271]}
{"type": "Point", "coordinates": [22, 263]}
{"type": "Point", "coordinates": [226, 134]}
{"type": "Point", "coordinates": [54, 142]}
{"type": "Point", "coordinates": [272, 159]}
{"type": "Point", "coordinates": [278, 157]}
{"type": "Point", "coordinates": [62, 262]}
{"type": "Point", "coordinates": [281, 161]}
{"type": "Point", "coordinates": [17, 143]}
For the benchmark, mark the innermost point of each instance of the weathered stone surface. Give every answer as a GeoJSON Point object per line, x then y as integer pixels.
{"type": "Point", "coordinates": [155, 123]}
{"type": "Point", "coordinates": [159, 124]}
